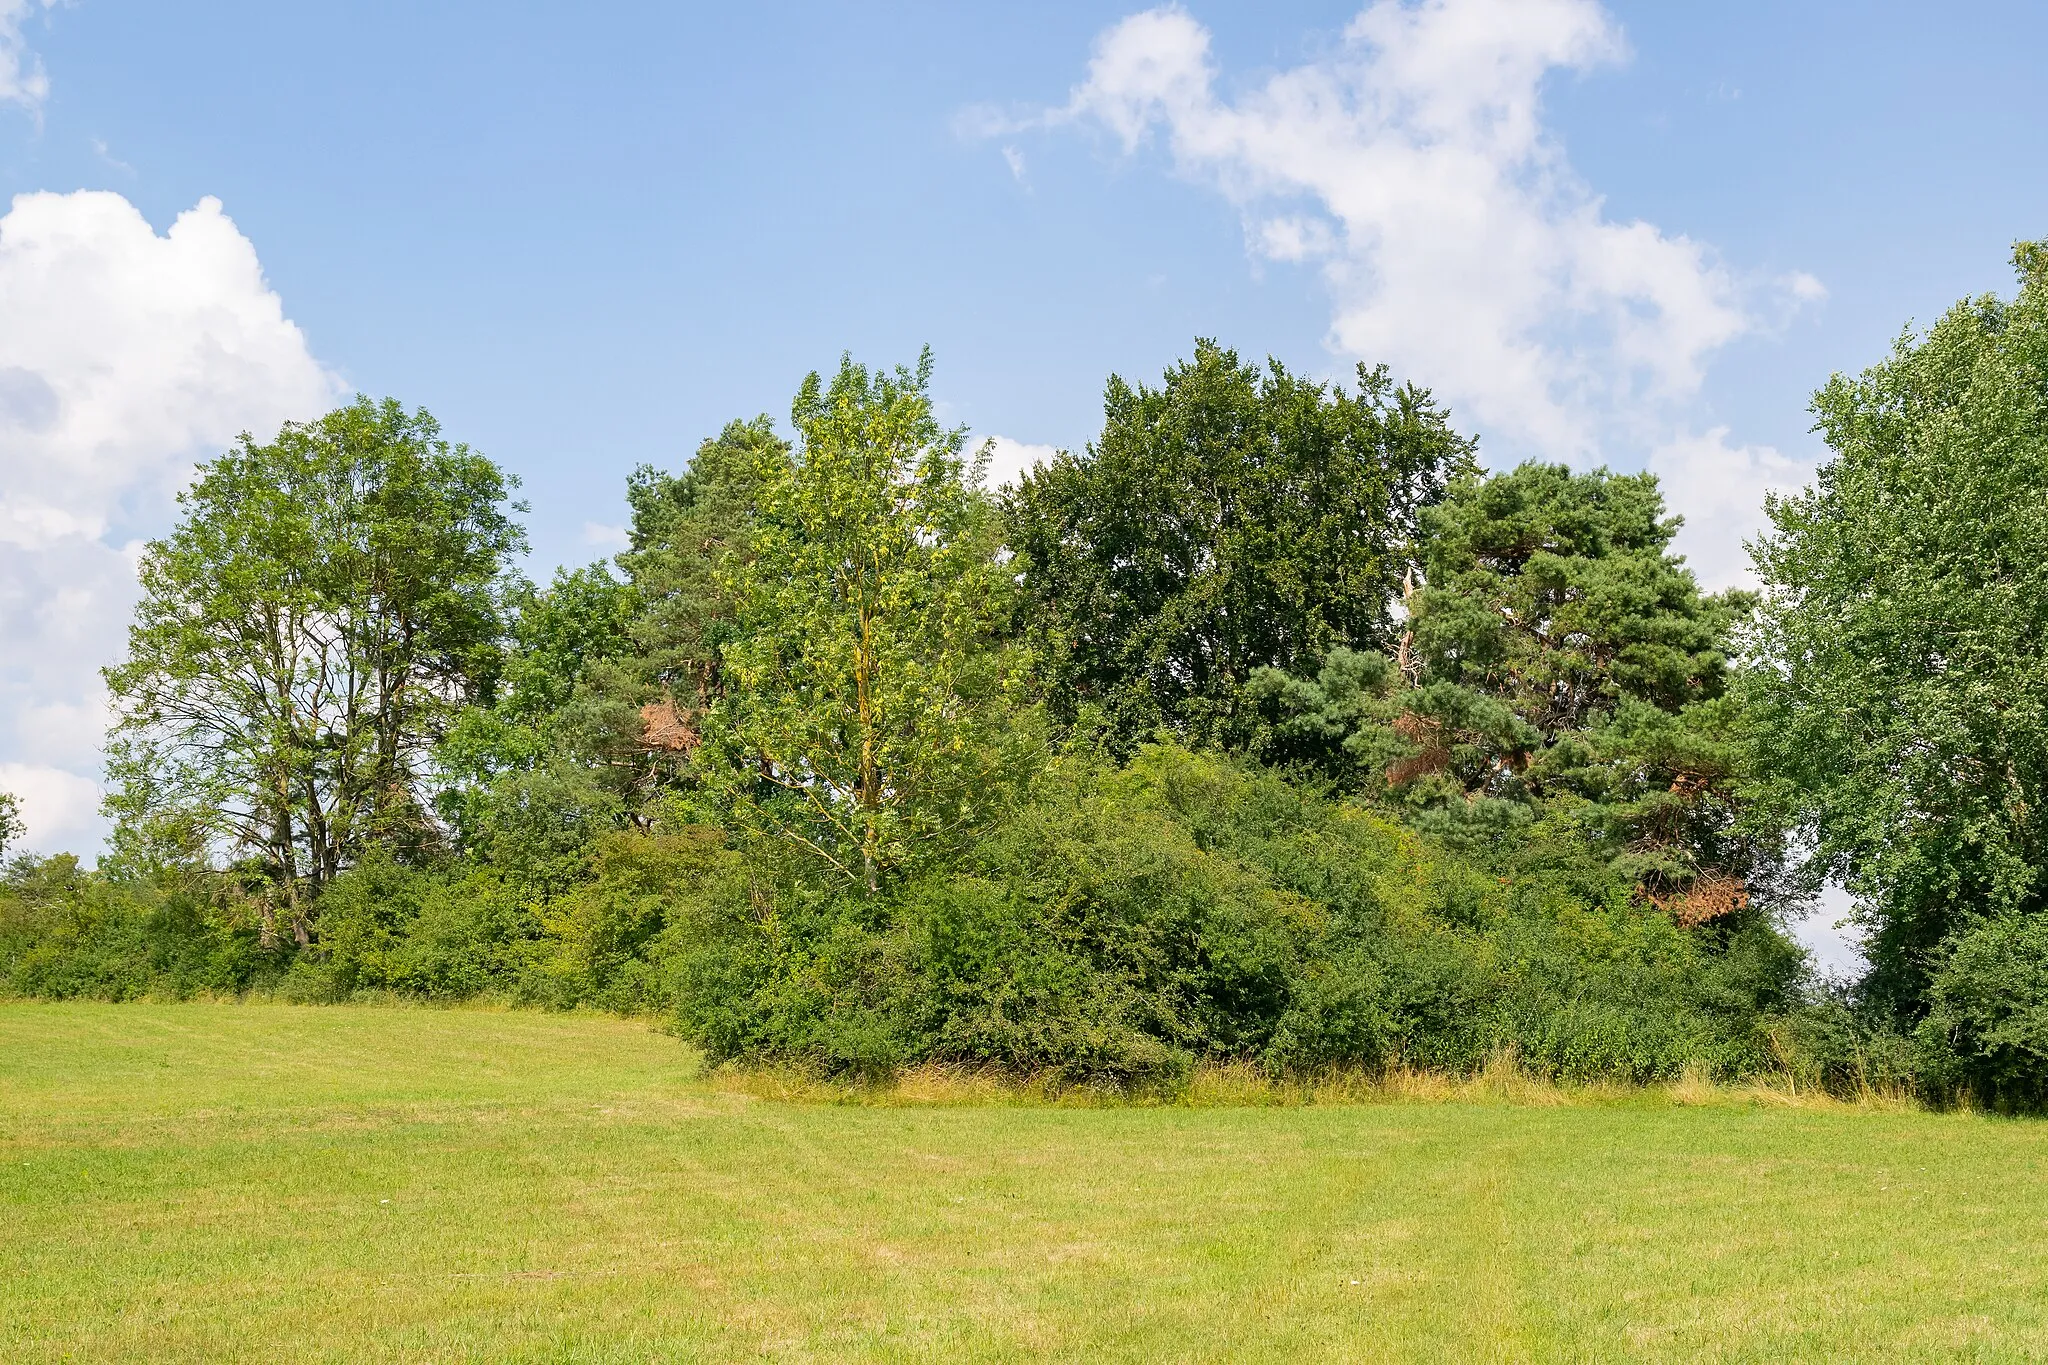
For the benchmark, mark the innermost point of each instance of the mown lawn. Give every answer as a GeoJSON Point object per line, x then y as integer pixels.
{"type": "Point", "coordinates": [265, 1183]}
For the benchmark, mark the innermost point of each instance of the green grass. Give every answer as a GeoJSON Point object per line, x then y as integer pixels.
{"type": "Point", "coordinates": [245, 1183]}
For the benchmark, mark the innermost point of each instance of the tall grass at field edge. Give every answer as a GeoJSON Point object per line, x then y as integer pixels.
{"type": "Point", "coordinates": [1503, 1081]}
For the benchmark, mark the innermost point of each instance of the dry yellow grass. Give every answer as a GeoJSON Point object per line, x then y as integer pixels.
{"type": "Point", "coordinates": [1502, 1081]}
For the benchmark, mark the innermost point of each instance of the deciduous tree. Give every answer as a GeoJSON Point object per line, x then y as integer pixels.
{"type": "Point", "coordinates": [11, 827]}
{"type": "Point", "coordinates": [327, 604]}
{"type": "Point", "coordinates": [1903, 699]}
{"type": "Point", "coordinates": [864, 710]}
{"type": "Point", "coordinates": [1231, 519]}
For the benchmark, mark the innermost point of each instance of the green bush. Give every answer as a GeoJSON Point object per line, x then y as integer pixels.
{"type": "Point", "coordinates": [1986, 1033]}
{"type": "Point", "coordinates": [1126, 923]}
{"type": "Point", "coordinates": [1836, 1042]}
{"type": "Point", "coordinates": [1119, 925]}
{"type": "Point", "coordinates": [465, 929]}
{"type": "Point", "coordinates": [68, 933]}
{"type": "Point", "coordinates": [606, 938]}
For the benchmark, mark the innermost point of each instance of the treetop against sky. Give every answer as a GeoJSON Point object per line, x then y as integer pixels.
{"type": "Point", "coordinates": [1623, 234]}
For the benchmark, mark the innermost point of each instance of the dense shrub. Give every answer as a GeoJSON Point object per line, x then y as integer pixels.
{"type": "Point", "coordinates": [1119, 925]}
{"type": "Point", "coordinates": [65, 932]}
{"type": "Point", "coordinates": [440, 934]}
{"type": "Point", "coordinates": [1986, 1033]}
{"type": "Point", "coordinates": [465, 930]}
{"type": "Point", "coordinates": [1124, 924]}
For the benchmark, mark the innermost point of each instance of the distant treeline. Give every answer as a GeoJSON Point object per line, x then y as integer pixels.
{"type": "Point", "coordinates": [1266, 728]}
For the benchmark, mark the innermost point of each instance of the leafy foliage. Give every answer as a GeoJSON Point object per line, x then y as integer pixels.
{"type": "Point", "coordinates": [865, 717]}
{"type": "Point", "coordinates": [1902, 712]}
{"type": "Point", "coordinates": [1458, 774]}
{"type": "Point", "coordinates": [685, 529]}
{"type": "Point", "coordinates": [66, 932]}
{"type": "Point", "coordinates": [1229, 520]}
{"type": "Point", "coordinates": [11, 828]}
{"type": "Point", "coordinates": [326, 607]}
{"type": "Point", "coordinates": [1986, 1030]}
{"type": "Point", "coordinates": [552, 761]}
{"type": "Point", "coordinates": [1558, 665]}
{"type": "Point", "coordinates": [1128, 922]}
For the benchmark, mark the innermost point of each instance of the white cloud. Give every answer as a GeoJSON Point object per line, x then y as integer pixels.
{"type": "Point", "coordinates": [612, 537]}
{"type": "Point", "coordinates": [59, 808]}
{"type": "Point", "coordinates": [1014, 159]}
{"type": "Point", "coordinates": [1719, 488]}
{"type": "Point", "coordinates": [1411, 164]}
{"type": "Point", "coordinates": [1294, 239]}
{"type": "Point", "coordinates": [1010, 460]}
{"type": "Point", "coordinates": [22, 80]}
{"type": "Point", "coordinates": [1804, 287]}
{"type": "Point", "coordinates": [126, 357]}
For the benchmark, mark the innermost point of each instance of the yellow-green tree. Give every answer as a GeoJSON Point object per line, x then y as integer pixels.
{"type": "Point", "coordinates": [866, 714]}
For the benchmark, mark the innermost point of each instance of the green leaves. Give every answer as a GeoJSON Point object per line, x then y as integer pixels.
{"type": "Point", "coordinates": [1230, 520]}
{"type": "Point", "coordinates": [866, 709]}
{"type": "Point", "coordinates": [1902, 699]}
{"type": "Point", "coordinates": [684, 529]}
{"type": "Point", "coordinates": [1986, 1031]}
{"type": "Point", "coordinates": [326, 606]}
{"type": "Point", "coordinates": [1558, 590]}
{"type": "Point", "coordinates": [11, 827]}
{"type": "Point", "coordinates": [1558, 665]}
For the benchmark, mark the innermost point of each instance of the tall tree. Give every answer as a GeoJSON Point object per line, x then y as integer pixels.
{"type": "Point", "coordinates": [862, 716]}
{"type": "Point", "coordinates": [1903, 700]}
{"type": "Point", "coordinates": [327, 604]}
{"type": "Point", "coordinates": [1556, 657]}
{"type": "Point", "coordinates": [1233, 518]}
{"type": "Point", "coordinates": [684, 530]}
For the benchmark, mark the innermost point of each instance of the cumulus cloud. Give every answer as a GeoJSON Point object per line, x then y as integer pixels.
{"type": "Point", "coordinates": [1009, 461]}
{"type": "Point", "coordinates": [1411, 165]}
{"type": "Point", "coordinates": [22, 80]}
{"type": "Point", "coordinates": [1719, 488]}
{"type": "Point", "coordinates": [127, 356]}
{"type": "Point", "coordinates": [55, 804]}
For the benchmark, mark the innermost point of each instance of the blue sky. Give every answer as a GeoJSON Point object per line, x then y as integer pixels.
{"type": "Point", "coordinates": [587, 236]}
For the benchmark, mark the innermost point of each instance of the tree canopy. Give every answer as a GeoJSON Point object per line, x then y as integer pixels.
{"type": "Point", "coordinates": [864, 715]}
{"type": "Point", "coordinates": [1900, 704]}
{"type": "Point", "coordinates": [1269, 729]}
{"type": "Point", "coordinates": [1231, 519]}
{"type": "Point", "coordinates": [328, 604]}
{"type": "Point", "coordinates": [685, 527]}
{"type": "Point", "coordinates": [1557, 661]}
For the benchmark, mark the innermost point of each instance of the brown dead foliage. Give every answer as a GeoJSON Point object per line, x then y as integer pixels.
{"type": "Point", "coordinates": [662, 726]}
{"type": "Point", "coordinates": [1428, 736]}
{"type": "Point", "coordinates": [1708, 898]}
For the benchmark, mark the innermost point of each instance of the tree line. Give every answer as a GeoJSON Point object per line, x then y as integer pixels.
{"type": "Point", "coordinates": [1266, 727]}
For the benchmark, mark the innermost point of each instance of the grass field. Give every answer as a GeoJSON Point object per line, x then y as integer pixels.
{"type": "Point", "coordinates": [244, 1183]}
